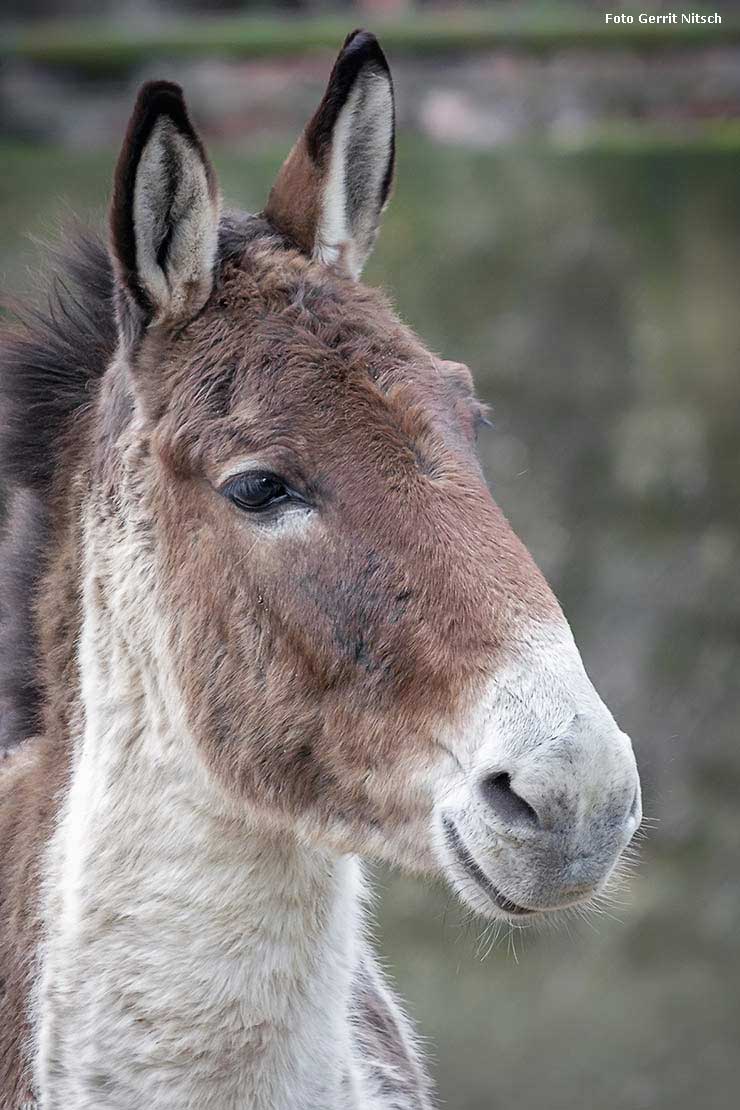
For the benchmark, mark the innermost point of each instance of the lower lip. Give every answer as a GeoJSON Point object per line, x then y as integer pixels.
{"type": "Point", "coordinates": [465, 859]}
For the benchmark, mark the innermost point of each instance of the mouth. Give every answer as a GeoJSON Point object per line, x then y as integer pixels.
{"type": "Point", "coordinates": [464, 857]}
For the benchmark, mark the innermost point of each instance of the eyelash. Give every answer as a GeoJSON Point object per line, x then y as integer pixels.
{"type": "Point", "coordinates": [258, 491]}
{"type": "Point", "coordinates": [482, 417]}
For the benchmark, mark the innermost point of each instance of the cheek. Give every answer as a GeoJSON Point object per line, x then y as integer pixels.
{"type": "Point", "coordinates": [303, 692]}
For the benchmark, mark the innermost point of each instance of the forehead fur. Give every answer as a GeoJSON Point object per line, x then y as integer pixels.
{"type": "Point", "coordinates": [276, 302]}
{"type": "Point", "coordinates": [288, 349]}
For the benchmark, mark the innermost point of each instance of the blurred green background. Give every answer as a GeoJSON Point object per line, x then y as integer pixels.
{"type": "Point", "coordinates": [566, 220]}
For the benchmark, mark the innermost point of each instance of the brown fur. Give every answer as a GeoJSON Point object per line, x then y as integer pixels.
{"type": "Point", "coordinates": [32, 785]}
{"type": "Point", "coordinates": [300, 176]}
{"type": "Point", "coordinates": [50, 361]}
{"type": "Point", "coordinates": [364, 634]}
{"type": "Point", "coordinates": [364, 631]}
{"type": "Point", "coordinates": [317, 668]}
{"type": "Point", "coordinates": [305, 171]}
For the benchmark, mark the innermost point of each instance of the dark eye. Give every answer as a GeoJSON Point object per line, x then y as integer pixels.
{"type": "Point", "coordinates": [257, 491]}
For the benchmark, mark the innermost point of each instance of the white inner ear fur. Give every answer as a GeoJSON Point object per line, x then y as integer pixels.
{"type": "Point", "coordinates": [172, 199]}
{"type": "Point", "coordinates": [360, 149]}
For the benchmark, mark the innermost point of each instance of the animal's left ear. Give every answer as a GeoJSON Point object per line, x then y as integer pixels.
{"type": "Point", "coordinates": [165, 209]}
{"type": "Point", "coordinates": [332, 189]}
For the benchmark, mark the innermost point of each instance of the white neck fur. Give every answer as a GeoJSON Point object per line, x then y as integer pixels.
{"type": "Point", "coordinates": [189, 961]}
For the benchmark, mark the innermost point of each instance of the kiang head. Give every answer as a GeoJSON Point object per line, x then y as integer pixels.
{"type": "Point", "coordinates": [363, 650]}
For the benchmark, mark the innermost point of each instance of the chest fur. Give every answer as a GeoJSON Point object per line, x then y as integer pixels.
{"type": "Point", "coordinates": [184, 968]}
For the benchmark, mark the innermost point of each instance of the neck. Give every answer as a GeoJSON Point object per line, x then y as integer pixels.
{"type": "Point", "coordinates": [190, 960]}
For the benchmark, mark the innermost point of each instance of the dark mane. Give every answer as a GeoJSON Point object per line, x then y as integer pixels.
{"type": "Point", "coordinates": [50, 356]}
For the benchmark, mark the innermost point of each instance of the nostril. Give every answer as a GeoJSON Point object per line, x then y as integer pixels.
{"type": "Point", "coordinates": [505, 801]}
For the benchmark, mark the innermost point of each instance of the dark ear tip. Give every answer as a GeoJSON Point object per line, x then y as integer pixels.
{"type": "Point", "coordinates": [358, 31]}
{"type": "Point", "coordinates": [159, 96]}
{"type": "Point", "coordinates": [360, 48]}
{"type": "Point", "coordinates": [157, 99]}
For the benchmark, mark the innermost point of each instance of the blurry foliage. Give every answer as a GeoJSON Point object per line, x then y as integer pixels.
{"type": "Point", "coordinates": [96, 42]}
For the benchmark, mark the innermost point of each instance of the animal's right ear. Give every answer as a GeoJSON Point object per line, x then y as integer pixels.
{"type": "Point", "coordinates": [165, 209]}
{"type": "Point", "coordinates": [331, 191]}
